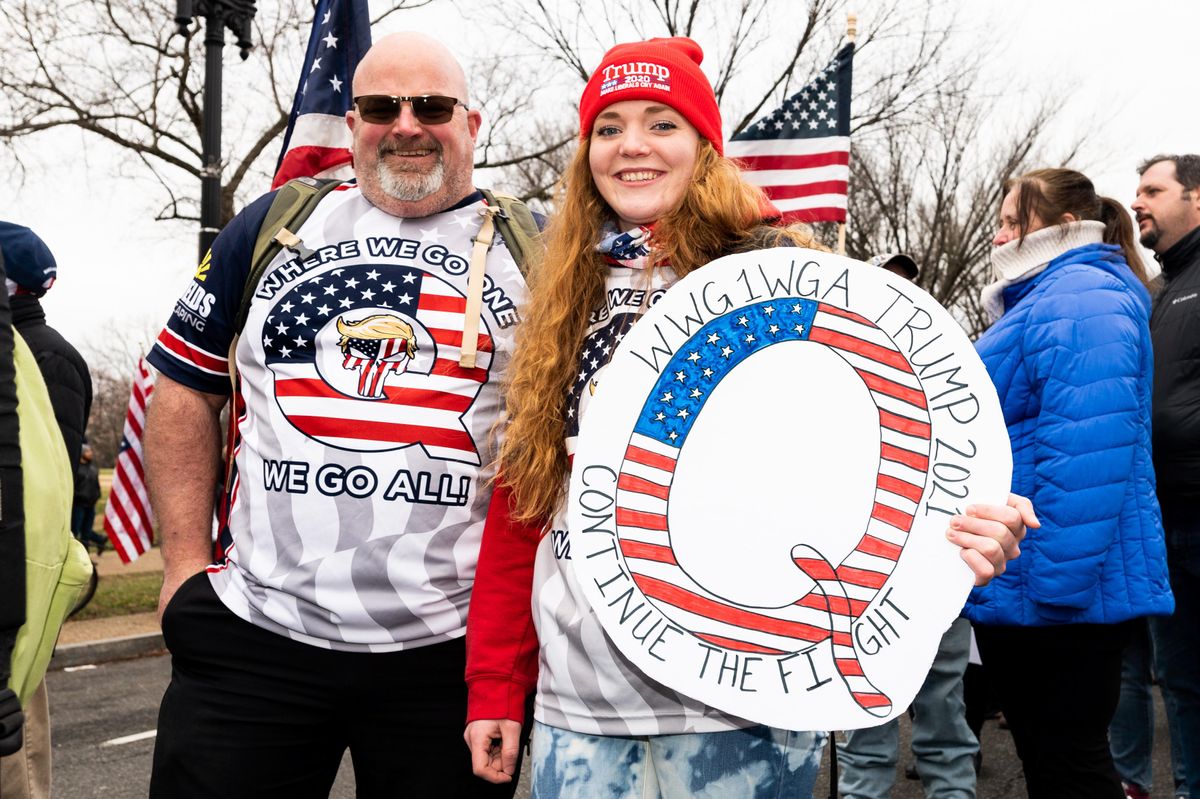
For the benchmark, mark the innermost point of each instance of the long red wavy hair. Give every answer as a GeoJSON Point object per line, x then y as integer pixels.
{"type": "Point", "coordinates": [719, 213]}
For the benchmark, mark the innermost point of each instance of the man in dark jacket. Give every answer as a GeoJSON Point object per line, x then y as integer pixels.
{"type": "Point", "coordinates": [31, 272]}
{"type": "Point", "coordinates": [1168, 215]}
{"type": "Point", "coordinates": [12, 534]}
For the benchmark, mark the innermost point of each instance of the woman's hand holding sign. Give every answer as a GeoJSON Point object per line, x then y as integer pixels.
{"type": "Point", "coordinates": [990, 535]}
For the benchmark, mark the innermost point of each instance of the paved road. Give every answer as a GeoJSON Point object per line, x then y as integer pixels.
{"type": "Point", "coordinates": [96, 711]}
{"type": "Point", "coordinates": [91, 705]}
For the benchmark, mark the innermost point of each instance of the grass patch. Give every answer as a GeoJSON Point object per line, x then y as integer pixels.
{"type": "Point", "coordinates": [122, 595]}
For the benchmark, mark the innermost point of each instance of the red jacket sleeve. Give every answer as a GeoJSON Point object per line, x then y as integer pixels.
{"type": "Point", "coordinates": [502, 645]}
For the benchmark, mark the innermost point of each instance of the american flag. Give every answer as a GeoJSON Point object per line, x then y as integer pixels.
{"type": "Point", "coordinates": [127, 517]}
{"type": "Point", "coordinates": [842, 591]}
{"type": "Point", "coordinates": [800, 153]}
{"type": "Point", "coordinates": [317, 140]}
{"type": "Point", "coordinates": [348, 397]}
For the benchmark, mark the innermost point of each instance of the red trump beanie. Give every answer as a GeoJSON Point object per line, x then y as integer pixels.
{"type": "Point", "coordinates": [662, 70]}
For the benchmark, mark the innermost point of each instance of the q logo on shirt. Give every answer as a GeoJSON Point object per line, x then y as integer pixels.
{"type": "Point", "coordinates": [365, 358]}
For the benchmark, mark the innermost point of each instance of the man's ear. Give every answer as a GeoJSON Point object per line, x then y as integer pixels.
{"type": "Point", "coordinates": [350, 120]}
{"type": "Point", "coordinates": [474, 121]}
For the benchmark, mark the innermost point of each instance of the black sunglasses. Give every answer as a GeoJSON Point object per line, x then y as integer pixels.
{"type": "Point", "coordinates": [429, 109]}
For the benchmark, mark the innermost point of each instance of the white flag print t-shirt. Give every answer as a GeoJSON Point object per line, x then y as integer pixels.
{"type": "Point", "coordinates": [362, 449]}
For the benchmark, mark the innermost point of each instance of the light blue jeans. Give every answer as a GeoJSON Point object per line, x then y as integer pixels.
{"type": "Point", "coordinates": [942, 743]}
{"type": "Point", "coordinates": [754, 763]}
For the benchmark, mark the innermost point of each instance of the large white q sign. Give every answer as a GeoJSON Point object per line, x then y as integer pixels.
{"type": "Point", "coordinates": [763, 481]}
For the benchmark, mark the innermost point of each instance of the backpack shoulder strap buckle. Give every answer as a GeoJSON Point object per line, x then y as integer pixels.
{"type": "Point", "coordinates": [293, 242]}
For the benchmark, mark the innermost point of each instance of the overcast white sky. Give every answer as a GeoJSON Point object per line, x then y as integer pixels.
{"type": "Point", "coordinates": [1128, 69]}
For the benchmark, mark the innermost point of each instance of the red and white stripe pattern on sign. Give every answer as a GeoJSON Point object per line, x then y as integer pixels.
{"type": "Point", "coordinates": [842, 593]}
{"type": "Point", "coordinates": [127, 517]}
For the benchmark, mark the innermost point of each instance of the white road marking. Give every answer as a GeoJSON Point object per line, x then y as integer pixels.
{"type": "Point", "coordinates": [128, 739]}
{"type": "Point", "coordinates": [88, 667]}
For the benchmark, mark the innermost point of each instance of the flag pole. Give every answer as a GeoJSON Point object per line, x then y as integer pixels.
{"type": "Point", "coordinates": [851, 34]}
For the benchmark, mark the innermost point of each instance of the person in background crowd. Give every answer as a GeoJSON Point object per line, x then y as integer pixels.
{"type": "Point", "coordinates": [942, 743]}
{"type": "Point", "coordinates": [647, 198]}
{"type": "Point", "coordinates": [1071, 360]}
{"type": "Point", "coordinates": [87, 494]}
{"type": "Point", "coordinates": [32, 271]}
{"type": "Point", "coordinates": [334, 616]}
{"type": "Point", "coordinates": [898, 264]}
{"type": "Point", "coordinates": [1131, 734]}
{"type": "Point", "coordinates": [1168, 216]}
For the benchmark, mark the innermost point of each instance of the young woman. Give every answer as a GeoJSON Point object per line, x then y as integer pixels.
{"type": "Point", "coordinates": [648, 198]}
{"type": "Point", "coordinates": [1071, 359]}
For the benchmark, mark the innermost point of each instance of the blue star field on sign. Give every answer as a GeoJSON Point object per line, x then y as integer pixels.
{"type": "Point", "coordinates": [707, 357]}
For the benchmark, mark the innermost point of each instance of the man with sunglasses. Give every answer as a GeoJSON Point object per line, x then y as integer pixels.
{"type": "Point", "coordinates": [333, 614]}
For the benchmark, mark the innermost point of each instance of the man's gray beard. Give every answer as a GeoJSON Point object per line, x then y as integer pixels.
{"type": "Point", "coordinates": [410, 186]}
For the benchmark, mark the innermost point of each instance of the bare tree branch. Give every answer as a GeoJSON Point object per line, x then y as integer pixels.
{"type": "Point", "coordinates": [117, 71]}
{"type": "Point", "coordinates": [526, 156]}
{"type": "Point", "coordinates": [931, 190]}
{"type": "Point", "coordinates": [818, 11]}
{"type": "Point", "coordinates": [114, 70]}
{"type": "Point", "coordinates": [403, 5]}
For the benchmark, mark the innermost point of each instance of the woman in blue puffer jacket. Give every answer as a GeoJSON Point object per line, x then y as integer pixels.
{"type": "Point", "coordinates": [1071, 359]}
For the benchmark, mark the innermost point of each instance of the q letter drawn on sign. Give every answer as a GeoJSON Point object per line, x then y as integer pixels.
{"type": "Point", "coordinates": [763, 482]}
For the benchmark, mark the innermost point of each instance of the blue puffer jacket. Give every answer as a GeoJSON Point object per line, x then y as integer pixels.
{"type": "Point", "coordinates": [1072, 363]}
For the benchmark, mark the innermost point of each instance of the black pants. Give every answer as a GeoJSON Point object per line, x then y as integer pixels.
{"type": "Point", "coordinates": [252, 714]}
{"type": "Point", "coordinates": [1058, 687]}
{"type": "Point", "coordinates": [979, 696]}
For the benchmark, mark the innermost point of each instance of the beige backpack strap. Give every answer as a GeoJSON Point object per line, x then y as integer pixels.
{"type": "Point", "coordinates": [233, 382]}
{"type": "Point", "coordinates": [483, 242]}
{"type": "Point", "coordinates": [233, 362]}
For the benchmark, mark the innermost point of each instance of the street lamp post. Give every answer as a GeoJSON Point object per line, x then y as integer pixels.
{"type": "Point", "coordinates": [218, 15]}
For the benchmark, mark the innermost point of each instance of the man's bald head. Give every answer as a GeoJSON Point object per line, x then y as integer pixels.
{"type": "Point", "coordinates": [406, 50]}
{"type": "Point", "coordinates": [409, 168]}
